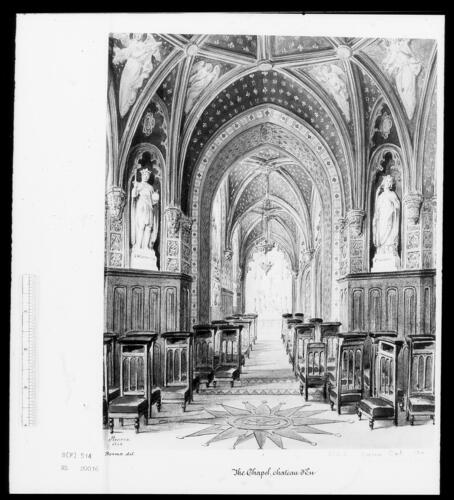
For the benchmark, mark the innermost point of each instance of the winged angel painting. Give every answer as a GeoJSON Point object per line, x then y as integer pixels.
{"type": "Point", "coordinates": [139, 54]}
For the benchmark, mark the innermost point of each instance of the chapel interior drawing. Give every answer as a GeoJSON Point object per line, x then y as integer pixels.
{"type": "Point", "coordinates": [270, 240]}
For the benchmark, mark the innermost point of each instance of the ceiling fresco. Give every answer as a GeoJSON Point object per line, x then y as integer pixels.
{"type": "Point", "coordinates": [133, 58]}
{"type": "Point", "coordinates": [315, 80]}
{"type": "Point", "coordinates": [165, 91]}
{"type": "Point", "coordinates": [249, 91]}
{"type": "Point", "coordinates": [289, 45]}
{"type": "Point", "coordinates": [405, 64]}
{"type": "Point", "coordinates": [245, 44]}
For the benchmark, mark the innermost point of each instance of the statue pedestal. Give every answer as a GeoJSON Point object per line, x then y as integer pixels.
{"type": "Point", "coordinates": [385, 261]}
{"type": "Point", "coordinates": [143, 259]}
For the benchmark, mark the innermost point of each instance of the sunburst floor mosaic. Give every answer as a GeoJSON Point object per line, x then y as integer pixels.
{"type": "Point", "coordinates": [263, 422]}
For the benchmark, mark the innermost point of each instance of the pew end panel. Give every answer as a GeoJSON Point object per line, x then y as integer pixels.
{"type": "Point", "coordinates": [313, 375]}
{"type": "Point", "coordinates": [136, 386]}
{"type": "Point", "coordinates": [203, 350]}
{"type": "Point", "coordinates": [421, 378]}
{"type": "Point", "coordinates": [229, 366]}
{"type": "Point", "coordinates": [346, 382]}
{"type": "Point", "coordinates": [178, 368]}
{"type": "Point", "coordinates": [384, 403]}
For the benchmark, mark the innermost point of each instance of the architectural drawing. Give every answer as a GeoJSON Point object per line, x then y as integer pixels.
{"type": "Point", "coordinates": [270, 237]}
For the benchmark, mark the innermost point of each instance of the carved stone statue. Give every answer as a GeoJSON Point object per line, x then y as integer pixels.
{"type": "Point", "coordinates": [144, 221]}
{"type": "Point", "coordinates": [386, 227]}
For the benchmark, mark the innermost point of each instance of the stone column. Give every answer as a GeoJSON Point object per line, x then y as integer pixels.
{"type": "Point", "coordinates": [177, 241]}
{"type": "Point", "coordinates": [412, 238]}
{"type": "Point", "coordinates": [354, 242]}
{"type": "Point", "coordinates": [115, 241]}
{"type": "Point", "coordinates": [294, 290]}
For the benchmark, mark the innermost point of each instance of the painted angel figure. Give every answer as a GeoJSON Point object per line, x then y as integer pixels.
{"type": "Point", "coordinates": [203, 73]}
{"type": "Point", "coordinates": [138, 55]}
{"type": "Point", "coordinates": [332, 77]}
{"type": "Point", "coordinates": [144, 212]}
{"type": "Point", "coordinates": [403, 65]}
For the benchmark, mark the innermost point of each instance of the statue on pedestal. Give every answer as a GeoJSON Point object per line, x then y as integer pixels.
{"type": "Point", "coordinates": [144, 218]}
{"type": "Point", "coordinates": [386, 227]}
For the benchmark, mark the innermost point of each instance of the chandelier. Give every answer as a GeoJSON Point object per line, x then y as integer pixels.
{"type": "Point", "coordinates": [265, 245]}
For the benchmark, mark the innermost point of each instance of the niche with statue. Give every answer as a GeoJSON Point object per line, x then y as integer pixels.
{"type": "Point", "coordinates": [144, 190]}
{"type": "Point", "coordinates": [386, 210]}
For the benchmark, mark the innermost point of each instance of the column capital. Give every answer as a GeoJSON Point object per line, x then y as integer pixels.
{"type": "Point", "coordinates": [355, 220]}
{"type": "Point", "coordinates": [115, 199]}
{"type": "Point", "coordinates": [173, 219]}
{"type": "Point", "coordinates": [413, 202]}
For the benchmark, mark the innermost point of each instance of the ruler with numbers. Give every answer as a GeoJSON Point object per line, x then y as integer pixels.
{"type": "Point", "coordinates": [28, 350]}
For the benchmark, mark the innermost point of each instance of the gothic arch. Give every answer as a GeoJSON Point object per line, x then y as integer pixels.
{"type": "Point", "coordinates": [254, 128]}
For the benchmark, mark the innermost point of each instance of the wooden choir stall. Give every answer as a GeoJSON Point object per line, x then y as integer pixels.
{"type": "Point", "coordinates": [137, 394]}
{"type": "Point", "coordinates": [111, 388]}
{"type": "Point", "coordinates": [383, 405]}
{"type": "Point", "coordinates": [246, 337]}
{"type": "Point", "coordinates": [346, 384]}
{"type": "Point", "coordinates": [204, 346]}
{"type": "Point", "coordinates": [420, 398]}
{"type": "Point", "coordinates": [284, 326]}
{"type": "Point", "coordinates": [229, 364]}
{"type": "Point", "coordinates": [178, 368]}
{"type": "Point", "coordinates": [254, 318]}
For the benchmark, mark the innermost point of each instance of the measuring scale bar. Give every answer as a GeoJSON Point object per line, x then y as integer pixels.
{"type": "Point", "coordinates": [28, 354]}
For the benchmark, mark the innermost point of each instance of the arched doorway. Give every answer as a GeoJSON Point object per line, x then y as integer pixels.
{"type": "Point", "coordinates": [268, 288]}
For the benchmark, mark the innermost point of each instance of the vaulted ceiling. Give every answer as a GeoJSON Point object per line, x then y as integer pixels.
{"type": "Point", "coordinates": [197, 84]}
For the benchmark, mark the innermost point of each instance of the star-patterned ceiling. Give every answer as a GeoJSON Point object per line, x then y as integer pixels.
{"type": "Point", "coordinates": [286, 45]}
{"type": "Point", "coordinates": [307, 77]}
{"type": "Point", "coordinates": [245, 44]}
{"type": "Point", "coordinates": [249, 91]}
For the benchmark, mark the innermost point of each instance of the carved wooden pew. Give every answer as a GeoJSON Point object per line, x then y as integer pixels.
{"type": "Point", "coordinates": [217, 345]}
{"type": "Point", "coordinates": [246, 335]}
{"type": "Point", "coordinates": [329, 332]}
{"type": "Point", "coordinates": [384, 403]}
{"type": "Point", "coordinates": [421, 378]}
{"type": "Point", "coordinates": [110, 388]}
{"type": "Point", "coordinates": [313, 373]}
{"type": "Point", "coordinates": [284, 326]}
{"type": "Point", "coordinates": [347, 387]}
{"type": "Point", "coordinates": [204, 340]}
{"type": "Point", "coordinates": [290, 338]}
{"type": "Point", "coordinates": [304, 333]}
{"type": "Point", "coordinates": [178, 368]}
{"type": "Point", "coordinates": [136, 386]}
{"type": "Point", "coordinates": [229, 366]}
{"type": "Point", "coordinates": [370, 353]}
{"type": "Point", "coordinates": [254, 318]}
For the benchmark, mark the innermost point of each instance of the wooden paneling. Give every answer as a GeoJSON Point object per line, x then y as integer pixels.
{"type": "Point", "coordinates": [375, 309]}
{"type": "Point", "coordinates": [146, 300]}
{"type": "Point", "coordinates": [154, 301]}
{"type": "Point", "coordinates": [358, 309]}
{"type": "Point", "coordinates": [391, 309]}
{"type": "Point", "coordinates": [409, 326]}
{"type": "Point", "coordinates": [401, 301]}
